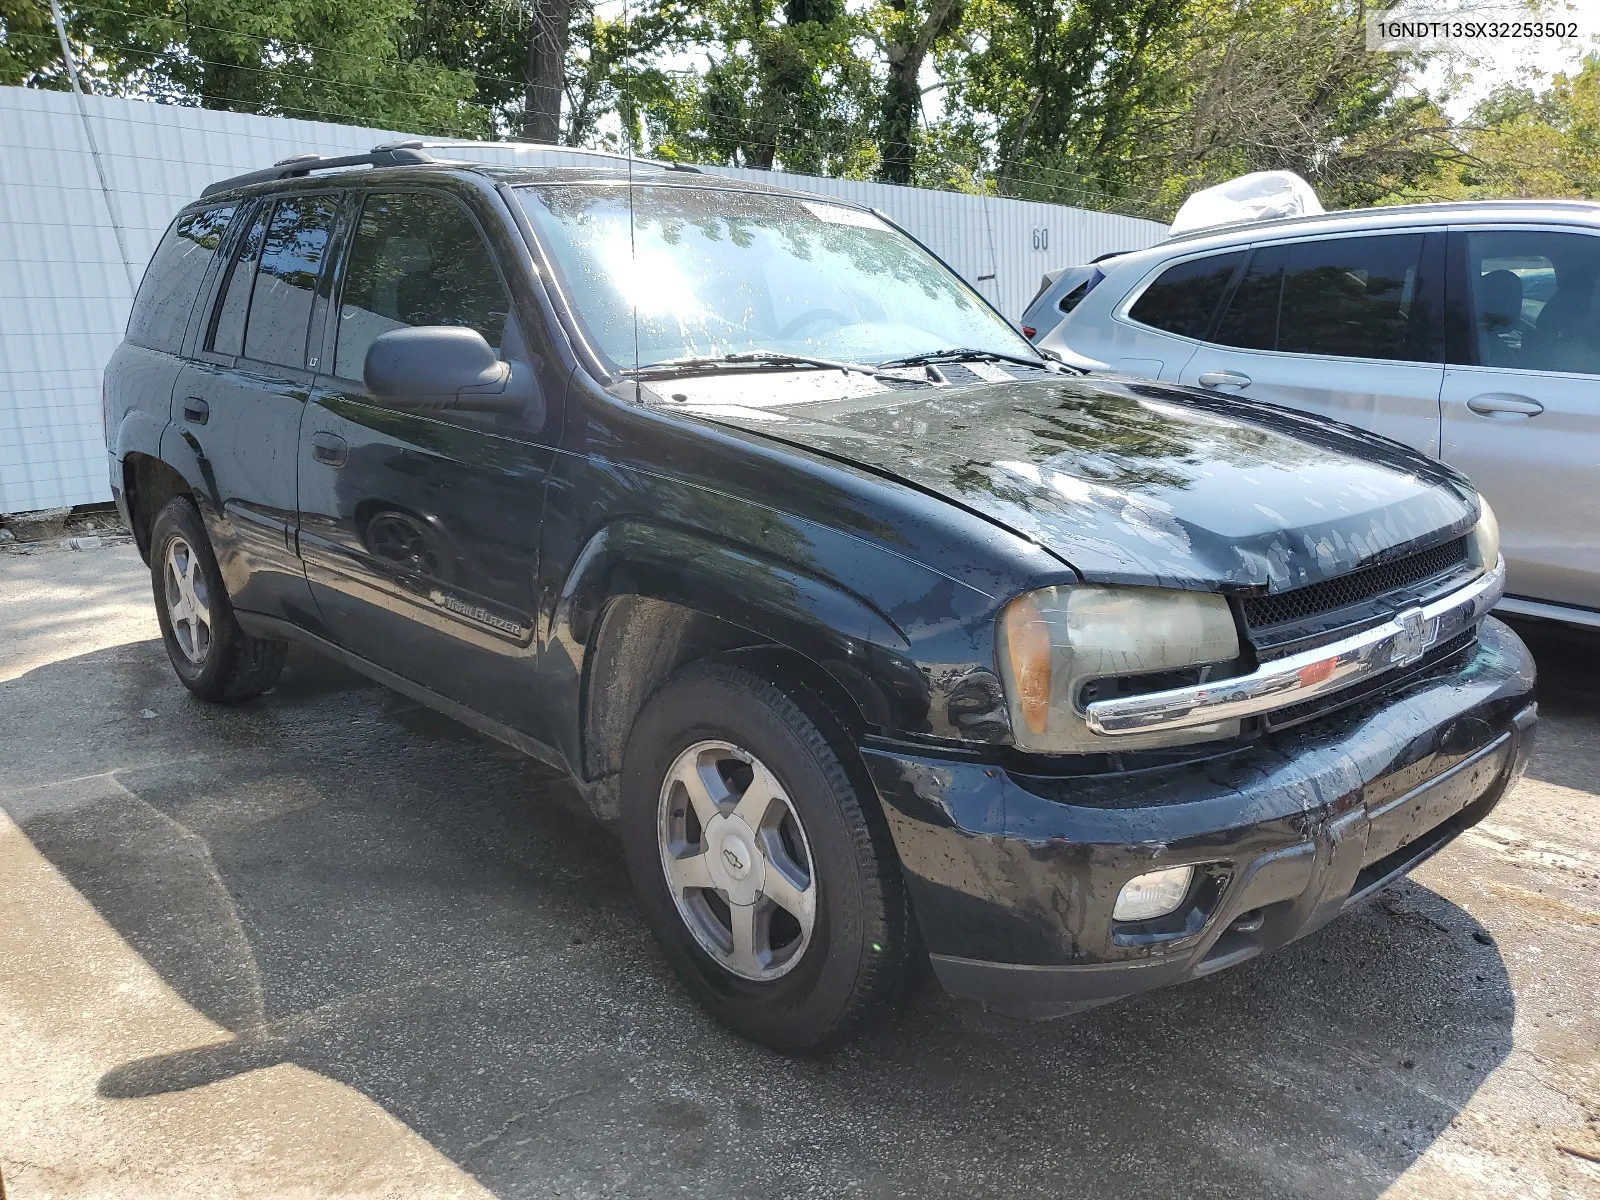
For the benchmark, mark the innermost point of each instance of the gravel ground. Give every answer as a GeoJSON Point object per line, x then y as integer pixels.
{"type": "Point", "coordinates": [329, 944]}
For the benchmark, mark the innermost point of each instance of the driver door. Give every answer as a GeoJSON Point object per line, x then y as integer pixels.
{"type": "Point", "coordinates": [420, 531]}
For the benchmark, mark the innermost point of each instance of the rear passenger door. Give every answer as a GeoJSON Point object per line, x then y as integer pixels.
{"type": "Point", "coordinates": [238, 401]}
{"type": "Point", "coordinates": [1348, 327]}
{"type": "Point", "coordinates": [420, 530]}
{"type": "Point", "coordinates": [1521, 400]}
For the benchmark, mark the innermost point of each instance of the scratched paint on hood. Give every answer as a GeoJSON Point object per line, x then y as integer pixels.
{"type": "Point", "coordinates": [1139, 483]}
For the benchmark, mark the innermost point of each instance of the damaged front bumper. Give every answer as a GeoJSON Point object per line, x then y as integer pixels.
{"type": "Point", "coordinates": [1014, 877]}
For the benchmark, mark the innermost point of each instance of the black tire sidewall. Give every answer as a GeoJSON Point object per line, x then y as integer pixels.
{"type": "Point", "coordinates": [814, 1004]}
{"type": "Point", "coordinates": [180, 518]}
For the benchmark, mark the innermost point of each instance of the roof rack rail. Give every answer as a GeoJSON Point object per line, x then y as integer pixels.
{"type": "Point", "coordinates": [408, 153]}
{"type": "Point", "coordinates": [664, 164]}
{"type": "Point", "coordinates": [389, 154]}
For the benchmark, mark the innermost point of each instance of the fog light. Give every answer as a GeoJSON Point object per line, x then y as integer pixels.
{"type": "Point", "coordinates": [1152, 895]}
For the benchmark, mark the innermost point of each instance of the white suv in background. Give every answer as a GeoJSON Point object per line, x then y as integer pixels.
{"type": "Point", "coordinates": [1468, 331]}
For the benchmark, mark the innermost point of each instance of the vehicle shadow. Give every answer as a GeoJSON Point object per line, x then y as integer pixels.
{"type": "Point", "coordinates": [362, 888]}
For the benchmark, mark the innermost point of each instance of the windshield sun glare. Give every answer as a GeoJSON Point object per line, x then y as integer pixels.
{"type": "Point", "coordinates": [707, 272]}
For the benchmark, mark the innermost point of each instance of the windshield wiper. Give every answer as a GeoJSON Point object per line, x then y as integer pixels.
{"type": "Point", "coordinates": [960, 353]}
{"type": "Point", "coordinates": [744, 358]}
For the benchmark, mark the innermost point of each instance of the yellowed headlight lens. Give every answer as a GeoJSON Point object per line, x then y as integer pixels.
{"type": "Point", "coordinates": [1052, 641]}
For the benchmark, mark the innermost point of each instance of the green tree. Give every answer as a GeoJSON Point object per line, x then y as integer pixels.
{"type": "Point", "coordinates": [784, 87]}
{"type": "Point", "coordinates": [298, 58]}
{"type": "Point", "coordinates": [30, 54]}
{"type": "Point", "coordinates": [908, 31]}
{"type": "Point", "coordinates": [1065, 87]}
{"type": "Point", "coordinates": [1522, 142]}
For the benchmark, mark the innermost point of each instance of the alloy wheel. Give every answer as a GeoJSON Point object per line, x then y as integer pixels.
{"type": "Point", "coordinates": [736, 860]}
{"type": "Point", "coordinates": [188, 603]}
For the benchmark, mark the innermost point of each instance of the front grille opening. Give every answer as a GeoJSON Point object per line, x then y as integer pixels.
{"type": "Point", "coordinates": [1362, 584]}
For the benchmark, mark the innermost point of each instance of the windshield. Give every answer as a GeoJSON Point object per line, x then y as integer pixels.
{"type": "Point", "coordinates": [711, 272]}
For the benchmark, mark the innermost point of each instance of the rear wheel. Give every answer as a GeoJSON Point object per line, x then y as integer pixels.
{"type": "Point", "coordinates": [211, 655]}
{"type": "Point", "coordinates": [766, 875]}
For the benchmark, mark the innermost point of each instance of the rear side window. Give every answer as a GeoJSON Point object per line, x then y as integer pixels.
{"type": "Point", "coordinates": [1183, 298]}
{"type": "Point", "coordinates": [1361, 297]}
{"type": "Point", "coordinates": [173, 278]}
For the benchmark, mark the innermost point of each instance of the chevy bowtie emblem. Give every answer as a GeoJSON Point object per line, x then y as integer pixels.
{"type": "Point", "coordinates": [733, 859]}
{"type": "Point", "coordinates": [1411, 643]}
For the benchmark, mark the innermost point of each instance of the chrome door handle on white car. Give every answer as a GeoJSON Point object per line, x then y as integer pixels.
{"type": "Point", "coordinates": [1222, 379]}
{"type": "Point", "coordinates": [1501, 405]}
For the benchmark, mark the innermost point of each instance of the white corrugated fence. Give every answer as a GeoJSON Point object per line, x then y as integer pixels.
{"type": "Point", "coordinates": [64, 290]}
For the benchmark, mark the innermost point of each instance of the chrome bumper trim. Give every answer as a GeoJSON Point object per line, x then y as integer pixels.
{"type": "Point", "coordinates": [1396, 643]}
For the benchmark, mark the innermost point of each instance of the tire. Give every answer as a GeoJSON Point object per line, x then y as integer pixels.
{"type": "Point", "coordinates": [792, 988]}
{"type": "Point", "coordinates": [213, 657]}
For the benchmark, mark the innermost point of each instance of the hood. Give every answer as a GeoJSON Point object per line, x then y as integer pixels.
{"type": "Point", "coordinates": [1131, 482]}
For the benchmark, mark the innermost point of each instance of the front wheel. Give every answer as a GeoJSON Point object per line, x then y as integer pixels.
{"type": "Point", "coordinates": [767, 877]}
{"type": "Point", "coordinates": [211, 655]}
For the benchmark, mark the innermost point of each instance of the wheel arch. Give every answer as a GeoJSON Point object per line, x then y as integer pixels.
{"type": "Point", "coordinates": [149, 483]}
{"type": "Point", "coordinates": [643, 602]}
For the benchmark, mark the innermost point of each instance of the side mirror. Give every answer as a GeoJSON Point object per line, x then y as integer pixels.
{"type": "Point", "coordinates": [430, 368]}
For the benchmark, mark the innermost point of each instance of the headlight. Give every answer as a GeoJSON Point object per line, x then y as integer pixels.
{"type": "Point", "coordinates": [1053, 641]}
{"type": "Point", "coordinates": [1483, 543]}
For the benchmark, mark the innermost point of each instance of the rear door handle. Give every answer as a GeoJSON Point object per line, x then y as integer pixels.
{"type": "Point", "coordinates": [1222, 379]}
{"type": "Point", "coordinates": [329, 448]}
{"type": "Point", "coordinates": [195, 410]}
{"type": "Point", "coordinates": [1504, 405]}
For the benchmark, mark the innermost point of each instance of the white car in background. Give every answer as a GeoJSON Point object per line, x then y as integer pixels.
{"type": "Point", "coordinates": [1468, 331]}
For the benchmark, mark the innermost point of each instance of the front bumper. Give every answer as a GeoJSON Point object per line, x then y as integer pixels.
{"type": "Point", "coordinates": [1014, 877]}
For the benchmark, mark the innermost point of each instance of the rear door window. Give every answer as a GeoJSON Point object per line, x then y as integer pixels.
{"type": "Point", "coordinates": [1533, 300]}
{"type": "Point", "coordinates": [1358, 297]}
{"type": "Point", "coordinates": [1251, 321]}
{"type": "Point", "coordinates": [173, 278]}
{"type": "Point", "coordinates": [286, 279]}
{"type": "Point", "coordinates": [1184, 297]}
{"type": "Point", "coordinates": [1352, 297]}
{"type": "Point", "coordinates": [227, 323]}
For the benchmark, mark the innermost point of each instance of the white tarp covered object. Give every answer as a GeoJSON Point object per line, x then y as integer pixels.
{"type": "Point", "coordinates": [1259, 196]}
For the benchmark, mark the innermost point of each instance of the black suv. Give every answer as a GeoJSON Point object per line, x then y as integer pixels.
{"type": "Point", "coordinates": [876, 634]}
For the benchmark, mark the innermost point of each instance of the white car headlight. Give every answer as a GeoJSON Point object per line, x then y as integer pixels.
{"type": "Point", "coordinates": [1053, 641]}
{"type": "Point", "coordinates": [1483, 543]}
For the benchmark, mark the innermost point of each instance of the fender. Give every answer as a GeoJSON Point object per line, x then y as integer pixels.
{"type": "Point", "coordinates": [139, 432]}
{"type": "Point", "coordinates": [860, 647]}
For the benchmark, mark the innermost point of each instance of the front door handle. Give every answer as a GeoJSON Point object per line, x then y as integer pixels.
{"type": "Point", "coordinates": [1503, 406]}
{"type": "Point", "coordinates": [329, 448]}
{"type": "Point", "coordinates": [1222, 379]}
{"type": "Point", "coordinates": [195, 410]}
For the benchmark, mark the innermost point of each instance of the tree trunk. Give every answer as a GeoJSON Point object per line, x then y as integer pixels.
{"type": "Point", "coordinates": [909, 42]}
{"type": "Point", "coordinates": [548, 26]}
